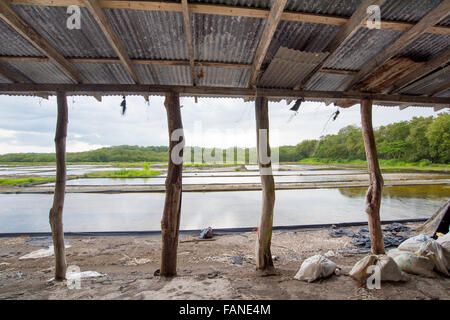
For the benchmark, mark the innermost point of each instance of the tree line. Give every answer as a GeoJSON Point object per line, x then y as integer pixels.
{"type": "Point", "coordinates": [422, 139]}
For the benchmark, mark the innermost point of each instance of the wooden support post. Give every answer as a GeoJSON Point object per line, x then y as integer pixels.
{"type": "Point", "coordinates": [264, 235]}
{"type": "Point", "coordinates": [56, 212]}
{"type": "Point", "coordinates": [373, 195]}
{"type": "Point", "coordinates": [170, 223]}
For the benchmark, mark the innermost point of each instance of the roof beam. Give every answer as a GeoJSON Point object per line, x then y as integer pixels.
{"type": "Point", "coordinates": [187, 29]}
{"type": "Point", "coordinates": [428, 67]}
{"type": "Point", "coordinates": [227, 11]}
{"type": "Point", "coordinates": [356, 21]}
{"type": "Point", "coordinates": [20, 26]}
{"type": "Point", "coordinates": [432, 18]}
{"type": "Point", "coordinates": [120, 89]}
{"type": "Point", "coordinates": [270, 26]}
{"type": "Point", "coordinates": [96, 11]}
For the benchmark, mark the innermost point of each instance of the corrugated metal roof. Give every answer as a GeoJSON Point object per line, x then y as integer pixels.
{"type": "Point", "coordinates": [427, 47]}
{"type": "Point", "coordinates": [327, 81]}
{"type": "Point", "coordinates": [50, 23]}
{"type": "Point", "coordinates": [150, 34]}
{"type": "Point", "coordinates": [221, 77]}
{"type": "Point", "coordinates": [40, 72]}
{"type": "Point", "coordinates": [104, 73]}
{"type": "Point", "coordinates": [225, 39]}
{"type": "Point", "coordinates": [332, 7]}
{"type": "Point", "coordinates": [445, 94]}
{"type": "Point", "coordinates": [365, 45]}
{"type": "Point", "coordinates": [164, 75]}
{"type": "Point", "coordinates": [407, 10]}
{"type": "Point", "coordinates": [311, 37]}
{"type": "Point", "coordinates": [429, 83]}
{"type": "Point", "coordinates": [289, 67]}
{"type": "Point", "coordinates": [13, 44]}
{"type": "Point", "coordinates": [241, 3]}
{"type": "Point", "coordinates": [4, 80]}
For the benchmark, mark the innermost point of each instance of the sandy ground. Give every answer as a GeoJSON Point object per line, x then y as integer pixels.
{"type": "Point", "coordinates": [205, 270]}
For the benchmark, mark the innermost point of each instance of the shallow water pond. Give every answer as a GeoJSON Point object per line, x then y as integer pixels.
{"type": "Point", "coordinates": [85, 212]}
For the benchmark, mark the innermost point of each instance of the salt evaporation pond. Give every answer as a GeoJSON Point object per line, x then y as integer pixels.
{"type": "Point", "coordinates": [88, 212]}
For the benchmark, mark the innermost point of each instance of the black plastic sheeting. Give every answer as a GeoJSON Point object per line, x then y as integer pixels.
{"type": "Point", "coordinates": [393, 235]}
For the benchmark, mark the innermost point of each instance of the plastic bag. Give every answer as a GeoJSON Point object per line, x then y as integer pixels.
{"type": "Point", "coordinates": [314, 268]}
{"type": "Point", "coordinates": [414, 243]}
{"type": "Point", "coordinates": [444, 241]}
{"type": "Point", "coordinates": [389, 271]}
{"type": "Point", "coordinates": [433, 250]}
{"type": "Point", "coordinates": [412, 263]}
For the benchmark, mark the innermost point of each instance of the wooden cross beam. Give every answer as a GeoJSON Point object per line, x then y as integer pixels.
{"type": "Point", "coordinates": [432, 18]}
{"type": "Point", "coordinates": [96, 11]}
{"type": "Point", "coordinates": [187, 28]}
{"type": "Point", "coordinates": [119, 89]}
{"type": "Point", "coordinates": [356, 21]}
{"type": "Point", "coordinates": [269, 29]}
{"type": "Point", "coordinates": [20, 26]}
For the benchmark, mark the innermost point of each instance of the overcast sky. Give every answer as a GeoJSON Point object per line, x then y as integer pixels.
{"type": "Point", "coordinates": [27, 124]}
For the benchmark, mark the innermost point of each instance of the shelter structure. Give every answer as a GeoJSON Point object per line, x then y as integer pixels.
{"type": "Point", "coordinates": [394, 53]}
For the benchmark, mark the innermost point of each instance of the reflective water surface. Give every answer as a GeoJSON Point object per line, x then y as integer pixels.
{"type": "Point", "coordinates": [142, 211]}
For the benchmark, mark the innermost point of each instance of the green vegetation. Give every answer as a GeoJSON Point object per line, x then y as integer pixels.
{"type": "Point", "coordinates": [419, 142]}
{"type": "Point", "coordinates": [125, 173]}
{"type": "Point", "coordinates": [24, 181]}
{"type": "Point", "coordinates": [111, 154]}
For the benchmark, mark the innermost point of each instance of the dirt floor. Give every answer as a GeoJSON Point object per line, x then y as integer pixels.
{"type": "Point", "coordinates": [205, 270]}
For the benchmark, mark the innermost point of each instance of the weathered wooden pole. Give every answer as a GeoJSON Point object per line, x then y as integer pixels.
{"type": "Point", "coordinates": [264, 235]}
{"type": "Point", "coordinates": [170, 223]}
{"type": "Point", "coordinates": [373, 195]}
{"type": "Point", "coordinates": [56, 212]}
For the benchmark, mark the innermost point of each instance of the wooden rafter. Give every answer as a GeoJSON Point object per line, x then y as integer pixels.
{"type": "Point", "coordinates": [269, 29]}
{"type": "Point", "coordinates": [187, 29]}
{"type": "Point", "coordinates": [227, 11]}
{"type": "Point", "coordinates": [12, 88]}
{"type": "Point", "coordinates": [97, 12]}
{"type": "Point", "coordinates": [428, 67]}
{"type": "Point", "coordinates": [356, 21]}
{"type": "Point", "coordinates": [432, 18]}
{"type": "Point", "coordinates": [20, 26]}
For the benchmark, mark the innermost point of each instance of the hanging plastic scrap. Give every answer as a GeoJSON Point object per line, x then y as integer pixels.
{"type": "Point", "coordinates": [123, 104]}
